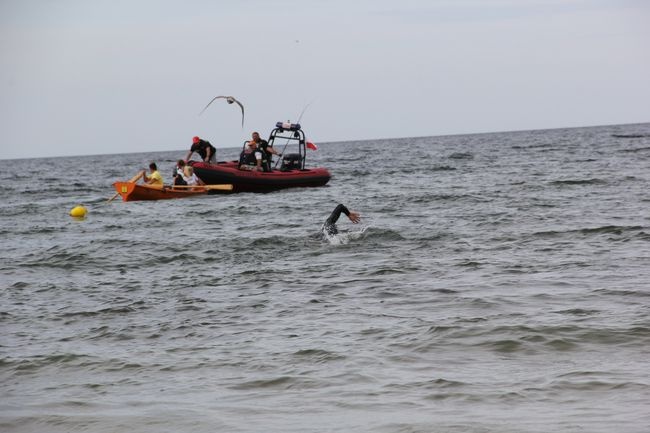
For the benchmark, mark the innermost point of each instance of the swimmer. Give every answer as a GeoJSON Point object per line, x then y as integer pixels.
{"type": "Point", "coordinates": [330, 224]}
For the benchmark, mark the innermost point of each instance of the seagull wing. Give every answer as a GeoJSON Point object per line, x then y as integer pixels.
{"type": "Point", "coordinates": [214, 99]}
{"type": "Point", "coordinates": [242, 111]}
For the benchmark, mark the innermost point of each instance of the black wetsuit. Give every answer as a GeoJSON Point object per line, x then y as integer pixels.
{"type": "Point", "coordinates": [330, 223]}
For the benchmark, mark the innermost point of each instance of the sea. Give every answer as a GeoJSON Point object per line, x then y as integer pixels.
{"type": "Point", "coordinates": [496, 283]}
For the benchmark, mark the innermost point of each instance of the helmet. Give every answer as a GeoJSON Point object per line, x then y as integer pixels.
{"type": "Point", "coordinates": [195, 140]}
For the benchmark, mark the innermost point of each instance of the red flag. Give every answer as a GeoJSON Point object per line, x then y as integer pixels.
{"type": "Point", "coordinates": [311, 145]}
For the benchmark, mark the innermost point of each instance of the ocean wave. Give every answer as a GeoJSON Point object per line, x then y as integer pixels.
{"type": "Point", "coordinates": [561, 345]}
{"type": "Point", "coordinates": [113, 310]}
{"type": "Point", "coordinates": [366, 234]}
{"type": "Point", "coordinates": [33, 231]}
{"type": "Point", "coordinates": [381, 234]}
{"type": "Point", "coordinates": [277, 241]}
{"type": "Point", "coordinates": [504, 346]}
{"type": "Point", "coordinates": [64, 260]}
{"type": "Point", "coordinates": [582, 312]}
{"type": "Point", "coordinates": [359, 173]}
{"type": "Point", "coordinates": [25, 209]}
{"type": "Point", "coordinates": [570, 182]}
{"type": "Point", "coordinates": [641, 293]}
{"type": "Point", "coordinates": [23, 366]}
{"type": "Point", "coordinates": [388, 175]}
{"type": "Point", "coordinates": [631, 232]}
{"type": "Point", "coordinates": [73, 362]}
{"type": "Point", "coordinates": [183, 257]}
{"type": "Point", "coordinates": [545, 146]}
{"type": "Point", "coordinates": [434, 197]}
{"type": "Point", "coordinates": [589, 380]}
{"type": "Point", "coordinates": [535, 339]}
{"type": "Point", "coordinates": [52, 190]}
{"type": "Point", "coordinates": [391, 270]}
{"type": "Point", "coordinates": [278, 383]}
{"type": "Point", "coordinates": [461, 155]}
{"type": "Point", "coordinates": [433, 384]}
{"type": "Point", "coordinates": [316, 356]}
{"type": "Point", "coordinates": [442, 168]}
{"type": "Point", "coordinates": [596, 385]}
{"type": "Point", "coordinates": [631, 135]}
{"type": "Point", "coordinates": [470, 264]}
{"type": "Point", "coordinates": [636, 149]}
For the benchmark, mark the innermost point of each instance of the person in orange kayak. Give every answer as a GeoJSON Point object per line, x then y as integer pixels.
{"type": "Point", "coordinates": [179, 172]}
{"type": "Point", "coordinates": [154, 178]}
{"type": "Point", "coordinates": [203, 148]}
{"type": "Point", "coordinates": [190, 178]}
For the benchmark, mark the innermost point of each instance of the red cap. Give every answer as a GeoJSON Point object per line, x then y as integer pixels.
{"type": "Point", "coordinates": [195, 140]}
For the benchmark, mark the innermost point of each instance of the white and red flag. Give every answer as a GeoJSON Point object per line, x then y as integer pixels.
{"type": "Point", "coordinates": [310, 145]}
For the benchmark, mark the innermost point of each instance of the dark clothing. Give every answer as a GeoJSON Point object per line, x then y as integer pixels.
{"type": "Point", "coordinates": [248, 158]}
{"type": "Point", "coordinates": [178, 177]}
{"type": "Point", "coordinates": [202, 149]}
{"type": "Point", "coordinates": [330, 222]}
{"type": "Point", "coordinates": [292, 161]}
{"type": "Point", "coordinates": [263, 145]}
{"type": "Point", "coordinates": [178, 180]}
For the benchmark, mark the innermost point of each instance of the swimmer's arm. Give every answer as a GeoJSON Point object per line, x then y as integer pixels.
{"type": "Point", "coordinates": [354, 217]}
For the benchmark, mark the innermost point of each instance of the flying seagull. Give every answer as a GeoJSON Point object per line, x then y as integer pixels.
{"type": "Point", "coordinates": [230, 100]}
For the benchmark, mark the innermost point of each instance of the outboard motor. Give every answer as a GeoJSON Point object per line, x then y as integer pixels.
{"type": "Point", "coordinates": [291, 161]}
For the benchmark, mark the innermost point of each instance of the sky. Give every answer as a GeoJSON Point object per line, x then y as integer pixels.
{"type": "Point", "coordinates": [81, 77]}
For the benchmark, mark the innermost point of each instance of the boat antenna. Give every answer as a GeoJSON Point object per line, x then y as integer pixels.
{"type": "Point", "coordinates": [303, 111]}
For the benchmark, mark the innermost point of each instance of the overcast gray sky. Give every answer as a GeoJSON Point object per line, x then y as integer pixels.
{"type": "Point", "coordinates": [83, 77]}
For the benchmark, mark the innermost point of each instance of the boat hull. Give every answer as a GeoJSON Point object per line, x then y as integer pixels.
{"type": "Point", "coordinates": [258, 181]}
{"type": "Point", "coordinates": [131, 191]}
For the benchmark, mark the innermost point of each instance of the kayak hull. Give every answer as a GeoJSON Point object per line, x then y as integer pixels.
{"type": "Point", "coordinates": [131, 191]}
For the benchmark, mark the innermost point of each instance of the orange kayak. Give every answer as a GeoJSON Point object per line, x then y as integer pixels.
{"type": "Point", "coordinates": [131, 191]}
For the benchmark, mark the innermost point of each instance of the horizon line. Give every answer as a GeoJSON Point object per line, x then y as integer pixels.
{"type": "Point", "coordinates": [352, 140]}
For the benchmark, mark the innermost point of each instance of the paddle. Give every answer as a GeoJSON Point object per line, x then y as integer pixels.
{"type": "Point", "coordinates": [222, 187]}
{"type": "Point", "coordinates": [134, 179]}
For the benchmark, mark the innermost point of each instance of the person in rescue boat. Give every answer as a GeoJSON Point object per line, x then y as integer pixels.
{"type": "Point", "coordinates": [250, 158]}
{"type": "Point", "coordinates": [203, 148]}
{"type": "Point", "coordinates": [266, 150]}
{"type": "Point", "coordinates": [329, 227]}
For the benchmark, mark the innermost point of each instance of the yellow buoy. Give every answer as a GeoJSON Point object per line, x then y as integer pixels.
{"type": "Point", "coordinates": [78, 212]}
